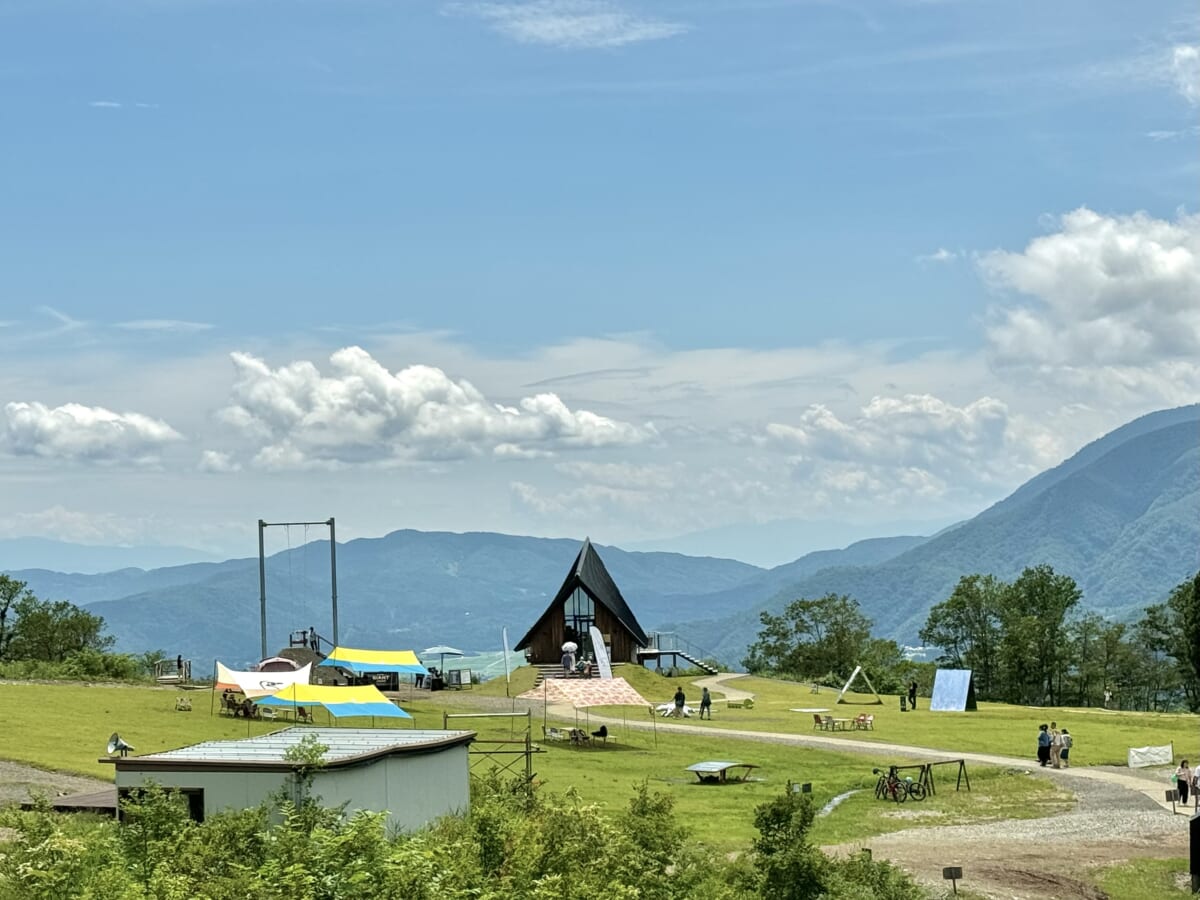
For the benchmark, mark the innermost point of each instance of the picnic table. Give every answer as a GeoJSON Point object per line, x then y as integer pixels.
{"type": "Point", "coordinates": [721, 771]}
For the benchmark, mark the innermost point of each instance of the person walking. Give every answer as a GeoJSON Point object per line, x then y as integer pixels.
{"type": "Point", "coordinates": [1043, 744]}
{"type": "Point", "coordinates": [1064, 753]}
{"type": "Point", "coordinates": [706, 704]}
{"type": "Point", "coordinates": [1055, 745]}
{"type": "Point", "coordinates": [1183, 781]}
{"type": "Point", "coordinates": [680, 702]}
{"type": "Point", "coordinates": [912, 695]}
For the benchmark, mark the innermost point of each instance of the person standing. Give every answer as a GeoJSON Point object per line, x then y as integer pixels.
{"type": "Point", "coordinates": [680, 701]}
{"type": "Point", "coordinates": [1064, 752]}
{"type": "Point", "coordinates": [1043, 744]}
{"type": "Point", "coordinates": [706, 704]}
{"type": "Point", "coordinates": [1055, 745]}
{"type": "Point", "coordinates": [1183, 781]}
{"type": "Point", "coordinates": [912, 695]}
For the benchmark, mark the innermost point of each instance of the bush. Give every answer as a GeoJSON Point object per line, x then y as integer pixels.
{"type": "Point", "coordinates": [513, 844]}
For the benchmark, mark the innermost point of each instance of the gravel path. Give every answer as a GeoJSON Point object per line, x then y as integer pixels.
{"type": "Point", "coordinates": [1120, 815]}
{"type": "Point", "coordinates": [18, 782]}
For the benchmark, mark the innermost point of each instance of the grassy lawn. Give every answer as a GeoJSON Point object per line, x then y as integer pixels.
{"type": "Point", "coordinates": [65, 727]}
{"type": "Point", "coordinates": [1144, 879]}
{"type": "Point", "coordinates": [1101, 737]}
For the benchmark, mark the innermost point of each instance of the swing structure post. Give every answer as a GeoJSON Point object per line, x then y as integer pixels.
{"type": "Point", "coordinates": [262, 574]}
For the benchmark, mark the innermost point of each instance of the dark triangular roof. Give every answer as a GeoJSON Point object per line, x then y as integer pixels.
{"type": "Point", "coordinates": [588, 572]}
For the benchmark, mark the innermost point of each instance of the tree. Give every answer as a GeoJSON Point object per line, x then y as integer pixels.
{"type": "Point", "coordinates": [1184, 606]}
{"type": "Point", "coordinates": [966, 626]}
{"type": "Point", "coordinates": [53, 630]}
{"type": "Point", "coordinates": [811, 638]}
{"type": "Point", "coordinates": [11, 592]}
{"type": "Point", "coordinates": [1033, 648]}
{"type": "Point", "coordinates": [1157, 673]}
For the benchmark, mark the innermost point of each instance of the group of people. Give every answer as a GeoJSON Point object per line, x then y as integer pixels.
{"type": "Point", "coordinates": [1187, 782]}
{"type": "Point", "coordinates": [239, 707]}
{"type": "Point", "coordinates": [572, 666]}
{"type": "Point", "coordinates": [681, 702]}
{"type": "Point", "coordinates": [1054, 746]}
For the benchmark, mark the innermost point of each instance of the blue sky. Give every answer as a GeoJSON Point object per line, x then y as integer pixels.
{"type": "Point", "coordinates": [862, 263]}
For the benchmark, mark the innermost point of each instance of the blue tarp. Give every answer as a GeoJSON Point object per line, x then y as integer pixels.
{"type": "Point", "coordinates": [403, 661]}
{"type": "Point", "coordinates": [364, 700]}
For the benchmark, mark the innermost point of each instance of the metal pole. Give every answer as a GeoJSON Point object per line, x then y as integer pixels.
{"type": "Point", "coordinates": [333, 577]}
{"type": "Point", "coordinates": [262, 588]}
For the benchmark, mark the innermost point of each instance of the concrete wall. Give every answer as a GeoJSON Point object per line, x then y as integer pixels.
{"type": "Point", "coordinates": [222, 790]}
{"type": "Point", "coordinates": [413, 788]}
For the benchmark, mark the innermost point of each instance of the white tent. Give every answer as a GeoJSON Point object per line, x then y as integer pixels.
{"type": "Point", "coordinates": [258, 684]}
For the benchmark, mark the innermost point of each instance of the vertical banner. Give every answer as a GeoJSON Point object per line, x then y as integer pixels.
{"type": "Point", "coordinates": [602, 662]}
{"type": "Point", "coordinates": [507, 673]}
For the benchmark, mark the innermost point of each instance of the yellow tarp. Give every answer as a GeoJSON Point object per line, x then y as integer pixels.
{"type": "Point", "coordinates": [375, 660]}
{"type": "Point", "coordinates": [360, 700]}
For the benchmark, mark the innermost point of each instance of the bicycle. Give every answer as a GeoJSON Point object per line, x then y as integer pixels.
{"type": "Point", "coordinates": [891, 786]}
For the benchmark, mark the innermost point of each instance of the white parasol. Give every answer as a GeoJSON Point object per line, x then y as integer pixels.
{"type": "Point", "coordinates": [441, 651]}
{"type": "Point", "coordinates": [570, 647]}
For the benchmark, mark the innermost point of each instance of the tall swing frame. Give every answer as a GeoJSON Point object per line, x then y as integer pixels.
{"type": "Point", "coordinates": [262, 574]}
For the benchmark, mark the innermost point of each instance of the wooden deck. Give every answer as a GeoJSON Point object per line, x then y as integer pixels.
{"type": "Point", "coordinates": [101, 801]}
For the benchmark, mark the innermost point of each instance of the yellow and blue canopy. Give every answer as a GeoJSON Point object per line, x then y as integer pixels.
{"type": "Point", "coordinates": [376, 660]}
{"type": "Point", "coordinates": [363, 700]}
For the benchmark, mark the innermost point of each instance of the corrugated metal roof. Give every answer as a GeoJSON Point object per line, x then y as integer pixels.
{"type": "Point", "coordinates": [343, 743]}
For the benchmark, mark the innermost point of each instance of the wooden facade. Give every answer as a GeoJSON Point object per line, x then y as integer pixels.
{"type": "Point", "coordinates": [588, 596]}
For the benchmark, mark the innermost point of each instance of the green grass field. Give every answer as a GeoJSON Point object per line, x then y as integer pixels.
{"type": "Point", "coordinates": [1102, 737]}
{"type": "Point", "coordinates": [65, 727]}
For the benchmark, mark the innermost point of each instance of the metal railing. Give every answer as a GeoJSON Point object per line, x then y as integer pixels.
{"type": "Point", "coordinates": [671, 642]}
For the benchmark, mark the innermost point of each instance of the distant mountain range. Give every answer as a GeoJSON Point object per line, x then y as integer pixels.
{"type": "Point", "coordinates": [1122, 517]}
{"type": "Point", "coordinates": [46, 553]}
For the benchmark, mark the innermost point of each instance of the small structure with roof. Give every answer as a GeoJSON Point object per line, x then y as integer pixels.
{"type": "Point", "coordinates": [588, 597]}
{"type": "Point", "coordinates": [413, 776]}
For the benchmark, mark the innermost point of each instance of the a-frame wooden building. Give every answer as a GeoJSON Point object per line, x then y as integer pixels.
{"type": "Point", "coordinates": [587, 597]}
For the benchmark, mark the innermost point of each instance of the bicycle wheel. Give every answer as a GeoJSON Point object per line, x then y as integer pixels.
{"type": "Point", "coordinates": [881, 788]}
{"type": "Point", "coordinates": [916, 790]}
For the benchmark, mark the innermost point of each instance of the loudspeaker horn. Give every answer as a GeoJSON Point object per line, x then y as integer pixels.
{"type": "Point", "coordinates": [116, 744]}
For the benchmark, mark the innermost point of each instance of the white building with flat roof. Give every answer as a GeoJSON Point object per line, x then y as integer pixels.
{"type": "Point", "coordinates": [413, 776]}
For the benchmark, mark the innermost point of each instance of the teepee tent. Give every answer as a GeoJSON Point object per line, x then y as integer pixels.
{"type": "Point", "coordinates": [858, 670]}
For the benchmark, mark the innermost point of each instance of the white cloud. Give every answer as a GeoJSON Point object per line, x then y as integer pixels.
{"type": "Point", "coordinates": [569, 24]}
{"type": "Point", "coordinates": [1171, 135]}
{"type": "Point", "coordinates": [162, 325]}
{"type": "Point", "coordinates": [940, 255]}
{"type": "Point", "coordinates": [1185, 70]}
{"type": "Point", "coordinates": [912, 447]}
{"type": "Point", "coordinates": [217, 462]}
{"type": "Point", "coordinates": [364, 413]}
{"type": "Point", "coordinates": [623, 476]}
{"type": "Point", "coordinates": [64, 524]}
{"type": "Point", "coordinates": [86, 433]}
{"type": "Point", "coordinates": [1108, 290]}
{"type": "Point", "coordinates": [120, 104]}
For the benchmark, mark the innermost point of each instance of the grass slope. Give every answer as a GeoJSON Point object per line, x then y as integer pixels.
{"type": "Point", "coordinates": [65, 727]}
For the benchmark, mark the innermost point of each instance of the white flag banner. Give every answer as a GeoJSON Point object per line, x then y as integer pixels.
{"type": "Point", "coordinates": [1140, 757]}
